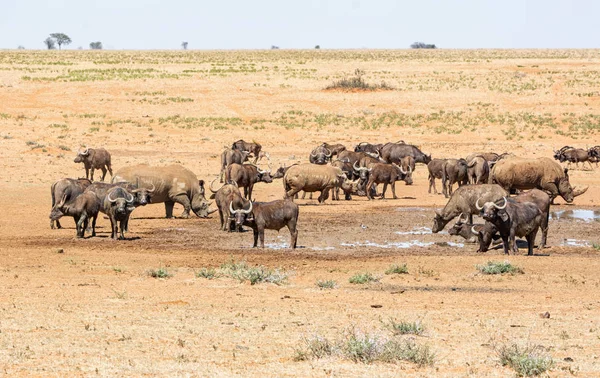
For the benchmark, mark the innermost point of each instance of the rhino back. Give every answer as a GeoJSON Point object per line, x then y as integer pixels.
{"type": "Point", "coordinates": [312, 177]}
{"type": "Point", "coordinates": [169, 181]}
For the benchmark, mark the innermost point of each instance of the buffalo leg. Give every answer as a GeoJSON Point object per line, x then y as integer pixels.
{"type": "Point", "coordinates": [261, 234]}
{"type": "Point", "coordinates": [304, 195]}
{"type": "Point", "coordinates": [255, 231]}
{"type": "Point", "coordinates": [169, 208]}
{"type": "Point", "coordinates": [249, 198]}
{"type": "Point", "coordinates": [368, 189]}
{"type": "Point", "coordinates": [530, 242]}
{"type": "Point", "coordinates": [513, 242]}
{"type": "Point", "coordinates": [505, 244]}
{"type": "Point", "coordinates": [94, 218]}
{"type": "Point", "coordinates": [79, 226]}
{"type": "Point", "coordinates": [222, 220]}
{"type": "Point", "coordinates": [385, 185]}
{"type": "Point", "coordinates": [293, 233]}
{"type": "Point", "coordinates": [184, 201]}
{"type": "Point", "coordinates": [544, 227]}
{"type": "Point", "coordinates": [57, 224]}
{"type": "Point", "coordinates": [103, 173]}
{"type": "Point", "coordinates": [121, 235]}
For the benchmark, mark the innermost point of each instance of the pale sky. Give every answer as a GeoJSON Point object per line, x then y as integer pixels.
{"type": "Point", "coordinates": [336, 24]}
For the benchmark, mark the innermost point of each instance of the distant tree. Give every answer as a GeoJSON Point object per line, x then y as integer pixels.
{"type": "Point", "coordinates": [50, 44]}
{"type": "Point", "coordinates": [61, 39]}
{"type": "Point", "coordinates": [21, 47]}
{"type": "Point", "coordinates": [422, 45]}
{"type": "Point", "coordinates": [273, 47]}
{"type": "Point", "coordinates": [317, 47]}
{"type": "Point", "coordinates": [96, 45]}
{"type": "Point", "coordinates": [184, 45]}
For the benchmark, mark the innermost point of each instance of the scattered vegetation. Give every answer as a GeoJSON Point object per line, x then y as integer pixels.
{"type": "Point", "coordinates": [362, 347]}
{"type": "Point", "coordinates": [405, 328]}
{"type": "Point", "coordinates": [326, 284]}
{"type": "Point", "coordinates": [241, 271]}
{"type": "Point", "coordinates": [159, 273]}
{"type": "Point", "coordinates": [397, 269]}
{"type": "Point", "coordinates": [363, 278]}
{"type": "Point", "coordinates": [422, 45]}
{"type": "Point", "coordinates": [525, 361]}
{"type": "Point", "coordinates": [208, 273]}
{"type": "Point", "coordinates": [357, 82]}
{"type": "Point", "coordinates": [498, 267]}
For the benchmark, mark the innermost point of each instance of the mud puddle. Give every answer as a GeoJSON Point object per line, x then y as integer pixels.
{"type": "Point", "coordinates": [578, 215]}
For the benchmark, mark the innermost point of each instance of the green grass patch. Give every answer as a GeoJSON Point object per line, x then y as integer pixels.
{"type": "Point", "coordinates": [241, 271]}
{"type": "Point", "coordinates": [404, 328]}
{"type": "Point", "coordinates": [498, 267]}
{"type": "Point", "coordinates": [363, 278]}
{"type": "Point", "coordinates": [397, 269]}
{"type": "Point", "coordinates": [326, 284]}
{"type": "Point", "coordinates": [525, 361]}
{"type": "Point", "coordinates": [159, 273]}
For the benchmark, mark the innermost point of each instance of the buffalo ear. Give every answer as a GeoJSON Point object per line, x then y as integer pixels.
{"type": "Point", "coordinates": [503, 215]}
{"type": "Point", "coordinates": [566, 171]}
{"type": "Point", "coordinates": [201, 183]}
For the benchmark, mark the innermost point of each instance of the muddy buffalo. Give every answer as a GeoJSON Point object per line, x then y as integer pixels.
{"type": "Point", "coordinates": [246, 176]}
{"type": "Point", "coordinates": [316, 178]}
{"type": "Point", "coordinates": [251, 147]}
{"type": "Point", "coordinates": [82, 208]}
{"type": "Point", "coordinates": [69, 187]}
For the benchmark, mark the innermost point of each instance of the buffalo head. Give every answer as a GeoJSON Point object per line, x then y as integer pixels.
{"type": "Point", "coordinates": [493, 211]}
{"type": "Point", "coordinates": [240, 215]}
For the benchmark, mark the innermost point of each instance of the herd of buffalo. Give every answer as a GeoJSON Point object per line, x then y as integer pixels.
{"type": "Point", "coordinates": [485, 183]}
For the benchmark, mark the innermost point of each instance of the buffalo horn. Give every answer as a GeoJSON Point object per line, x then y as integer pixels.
{"type": "Point", "coordinates": [329, 154]}
{"type": "Point", "coordinates": [477, 205]}
{"type": "Point", "coordinates": [86, 152]}
{"type": "Point", "coordinates": [231, 208]}
{"type": "Point", "coordinates": [249, 209]}
{"type": "Point", "coordinates": [153, 189]}
{"type": "Point", "coordinates": [211, 184]}
{"type": "Point", "coordinates": [503, 206]}
{"type": "Point", "coordinates": [109, 197]}
{"type": "Point", "coordinates": [130, 195]}
{"type": "Point", "coordinates": [474, 231]}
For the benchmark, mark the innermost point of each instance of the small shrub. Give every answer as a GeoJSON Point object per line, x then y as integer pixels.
{"type": "Point", "coordinates": [596, 246]}
{"type": "Point", "coordinates": [405, 328]}
{"type": "Point", "coordinates": [357, 82]}
{"type": "Point", "coordinates": [315, 347]}
{"type": "Point", "coordinates": [255, 274]}
{"type": "Point", "coordinates": [526, 361]}
{"type": "Point", "coordinates": [159, 273]}
{"type": "Point", "coordinates": [497, 267]}
{"type": "Point", "coordinates": [326, 284]}
{"type": "Point", "coordinates": [64, 148]}
{"type": "Point", "coordinates": [397, 269]}
{"type": "Point", "coordinates": [361, 347]}
{"type": "Point", "coordinates": [407, 350]}
{"type": "Point", "coordinates": [208, 273]}
{"type": "Point", "coordinates": [362, 278]}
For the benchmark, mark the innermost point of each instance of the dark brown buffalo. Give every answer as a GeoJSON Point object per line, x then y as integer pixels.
{"type": "Point", "coordinates": [118, 205]}
{"type": "Point", "coordinates": [274, 215]}
{"type": "Point", "coordinates": [92, 159]}
{"type": "Point", "coordinates": [540, 198]}
{"type": "Point", "coordinates": [320, 155]}
{"type": "Point", "coordinates": [351, 156]}
{"type": "Point", "coordinates": [142, 196]}
{"type": "Point", "coordinates": [463, 201]}
{"type": "Point", "coordinates": [393, 152]}
{"type": "Point", "coordinates": [334, 148]}
{"type": "Point", "coordinates": [231, 156]}
{"type": "Point", "coordinates": [435, 168]}
{"type": "Point", "coordinates": [594, 155]}
{"type": "Point", "coordinates": [69, 187]}
{"type": "Point", "coordinates": [478, 170]}
{"type": "Point", "coordinates": [512, 219]}
{"type": "Point", "coordinates": [348, 170]}
{"type": "Point", "coordinates": [246, 175]}
{"type": "Point", "coordinates": [454, 171]}
{"type": "Point", "coordinates": [382, 173]}
{"type": "Point", "coordinates": [82, 208]}
{"type": "Point", "coordinates": [228, 195]}
{"type": "Point", "coordinates": [254, 148]}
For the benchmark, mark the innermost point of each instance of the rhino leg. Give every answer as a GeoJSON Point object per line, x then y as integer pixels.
{"type": "Point", "coordinates": [185, 202]}
{"type": "Point", "coordinates": [169, 208]}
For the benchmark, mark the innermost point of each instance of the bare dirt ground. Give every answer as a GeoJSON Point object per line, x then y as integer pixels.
{"type": "Point", "coordinates": [88, 307]}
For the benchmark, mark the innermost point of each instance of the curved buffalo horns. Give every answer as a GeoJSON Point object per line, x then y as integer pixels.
{"type": "Point", "coordinates": [86, 152]}
{"type": "Point", "coordinates": [474, 231]}
{"type": "Point", "coordinates": [231, 208]}
{"type": "Point", "coordinates": [140, 189]}
{"type": "Point", "coordinates": [503, 206]}
{"type": "Point", "coordinates": [463, 217]}
{"type": "Point", "coordinates": [130, 196]}
{"type": "Point", "coordinates": [357, 168]}
{"type": "Point", "coordinates": [247, 211]}
{"type": "Point", "coordinates": [153, 189]}
{"type": "Point", "coordinates": [329, 154]}
{"type": "Point", "coordinates": [477, 205]}
{"type": "Point", "coordinates": [312, 153]}
{"type": "Point", "coordinates": [400, 168]}
{"type": "Point", "coordinates": [211, 186]}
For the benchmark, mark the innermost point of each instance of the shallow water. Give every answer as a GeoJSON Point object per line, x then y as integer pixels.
{"type": "Point", "coordinates": [577, 214]}
{"type": "Point", "coordinates": [575, 243]}
{"type": "Point", "coordinates": [416, 231]}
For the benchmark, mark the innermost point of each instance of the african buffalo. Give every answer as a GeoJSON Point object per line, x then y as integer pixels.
{"type": "Point", "coordinates": [453, 170]}
{"type": "Point", "coordinates": [512, 219]}
{"type": "Point", "coordinates": [228, 195]}
{"type": "Point", "coordinates": [69, 187]}
{"type": "Point", "coordinates": [463, 200]}
{"type": "Point", "coordinates": [92, 159]}
{"type": "Point", "coordinates": [274, 215]}
{"type": "Point", "coordinates": [82, 208]}
{"type": "Point", "coordinates": [382, 173]}
{"type": "Point", "coordinates": [315, 178]}
{"type": "Point", "coordinates": [246, 175]}
{"type": "Point", "coordinates": [435, 168]}
{"type": "Point", "coordinates": [320, 155]}
{"type": "Point", "coordinates": [231, 156]}
{"type": "Point", "coordinates": [392, 153]}
{"type": "Point", "coordinates": [478, 170]}
{"type": "Point", "coordinates": [118, 205]}
{"type": "Point", "coordinates": [254, 148]}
